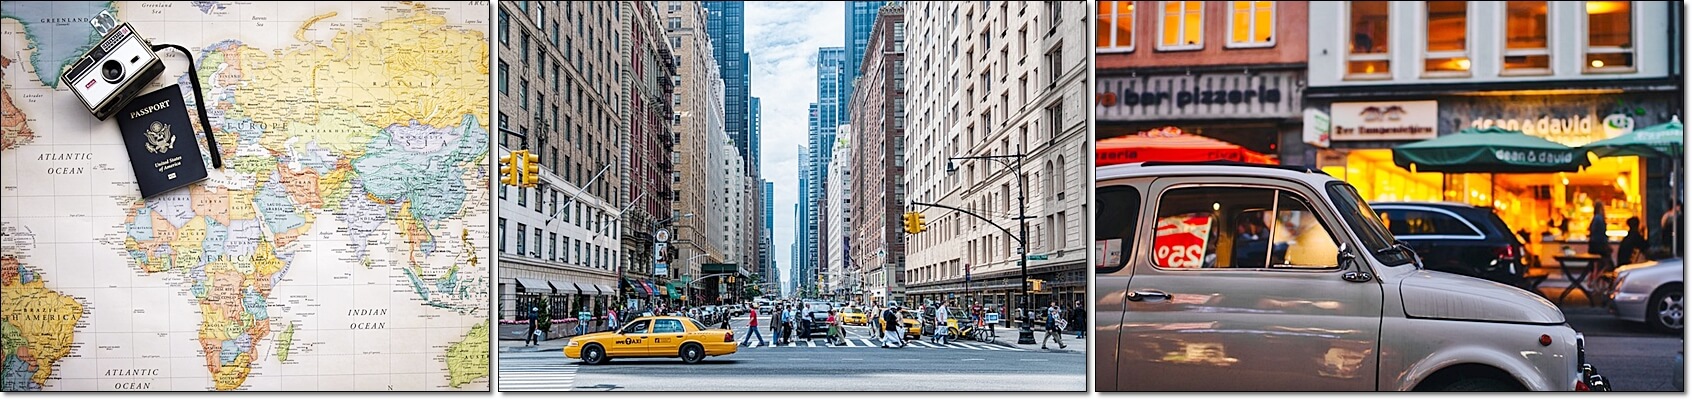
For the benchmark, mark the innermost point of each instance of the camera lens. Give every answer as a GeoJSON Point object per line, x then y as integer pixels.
{"type": "Point", "coordinates": [111, 70]}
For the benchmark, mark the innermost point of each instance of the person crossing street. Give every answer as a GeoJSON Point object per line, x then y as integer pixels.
{"type": "Point", "coordinates": [1054, 327]}
{"type": "Point", "coordinates": [890, 327]}
{"type": "Point", "coordinates": [752, 327]}
{"type": "Point", "coordinates": [941, 330]}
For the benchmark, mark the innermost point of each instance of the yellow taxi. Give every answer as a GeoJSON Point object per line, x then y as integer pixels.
{"type": "Point", "coordinates": [853, 316]}
{"type": "Point", "coordinates": [912, 324]}
{"type": "Point", "coordinates": [661, 336]}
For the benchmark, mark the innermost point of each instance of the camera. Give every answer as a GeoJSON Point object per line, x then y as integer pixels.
{"type": "Point", "coordinates": [110, 74]}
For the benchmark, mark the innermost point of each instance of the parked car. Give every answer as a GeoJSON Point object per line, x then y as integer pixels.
{"type": "Point", "coordinates": [1458, 238]}
{"type": "Point", "coordinates": [680, 337]}
{"type": "Point", "coordinates": [1283, 279]}
{"type": "Point", "coordinates": [815, 320]}
{"type": "Point", "coordinates": [1652, 292]}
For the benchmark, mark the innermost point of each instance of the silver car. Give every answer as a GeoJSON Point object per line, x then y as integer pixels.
{"type": "Point", "coordinates": [1651, 292]}
{"type": "Point", "coordinates": [1228, 277]}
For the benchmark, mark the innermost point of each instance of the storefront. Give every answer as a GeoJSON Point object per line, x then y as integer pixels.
{"type": "Point", "coordinates": [1548, 210]}
{"type": "Point", "coordinates": [1254, 109]}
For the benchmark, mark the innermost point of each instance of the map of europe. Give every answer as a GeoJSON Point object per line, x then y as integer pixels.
{"type": "Point", "coordinates": [342, 246]}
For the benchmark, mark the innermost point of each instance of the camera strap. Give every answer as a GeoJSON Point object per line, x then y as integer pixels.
{"type": "Point", "coordinates": [199, 104]}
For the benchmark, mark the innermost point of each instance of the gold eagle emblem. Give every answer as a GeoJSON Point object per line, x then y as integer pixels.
{"type": "Point", "coordinates": [159, 139]}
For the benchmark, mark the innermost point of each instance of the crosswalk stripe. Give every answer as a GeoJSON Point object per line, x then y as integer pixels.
{"type": "Point", "coordinates": [849, 343]}
{"type": "Point", "coordinates": [967, 346]}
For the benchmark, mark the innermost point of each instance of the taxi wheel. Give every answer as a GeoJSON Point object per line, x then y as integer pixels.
{"type": "Point", "coordinates": [692, 353]}
{"type": "Point", "coordinates": [593, 354]}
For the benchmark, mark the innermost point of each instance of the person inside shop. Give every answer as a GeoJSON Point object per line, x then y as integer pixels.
{"type": "Point", "coordinates": [1633, 247]}
{"type": "Point", "coordinates": [1598, 238]}
{"type": "Point", "coordinates": [1668, 232]}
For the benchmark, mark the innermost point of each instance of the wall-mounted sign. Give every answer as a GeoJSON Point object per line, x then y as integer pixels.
{"type": "Point", "coordinates": [1199, 96]}
{"type": "Point", "coordinates": [1396, 120]}
{"type": "Point", "coordinates": [1569, 130]}
{"type": "Point", "coordinates": [1317, 128]}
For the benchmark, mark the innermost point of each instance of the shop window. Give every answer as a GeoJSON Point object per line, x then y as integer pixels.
{"type": "Point", "coordinates": [1368, 55]}
{"type": "Point", "coordinates": [1116, 218]}
{"type": "Point", "coordinates": [1180, 25]}
{"type": "Point", "coordinates": [1609, 36]}
{"type": "Point", "coordinates": [1240, 227]}
{"type": "Point", "coordinates": [1446, 54]}
{"type": "Point", "coordinates": [1526, 38]}
{"type": "Point", "coordinates": [1251, 24]}
{"type": "Point", "coordinates": [1115, 26]}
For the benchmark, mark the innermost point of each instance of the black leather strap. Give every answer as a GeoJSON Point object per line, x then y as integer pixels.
{"type": "Point", "coordinates": [200, 104]}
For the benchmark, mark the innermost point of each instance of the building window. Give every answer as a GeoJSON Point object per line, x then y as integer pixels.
{"type": "Point", "coordinates": [523, 197]}
{"type": "Point", "coordinates": [537, 243]}
{"type": "Point", "coordinates": [502, 235]}
{"type": "Point", "coordinates": [1054, 62]}
{"type": "Point", "coordinates": [1367, 56]}
{"type": "Point", "coordinates": [1181, 25]}
{"type": "Point", "coordinates": [522, 239]}
{"type": "Point", "coordinates": [674, 23]}
{"type": "Point", "coordinates": [1115, 26]}
{"type": "Point", "coordinates": [1251, 24]}
{"type": "Point", "coordinates": [1526, 38]}
{"type": "Point", "coordinates": [504, 26]}
{"type": "Point", "coordinates": [504, 78]}
{"type": "Point", "coordinates": [552, 246]}
{"type": "Point", "coordinates": [1447, 45]}
{"type": "Point", "coordinates": [1609, 36]}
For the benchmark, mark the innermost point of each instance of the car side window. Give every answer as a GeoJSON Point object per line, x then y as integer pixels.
{"type": "Point", "coordinates": [636, 327]}
{"type": "Point", "coordinates": [1116, 218]}
{"type": "Point", "coordinates": [1239, 227]}
{"type": "Point", "coordinates": [1407, 222]}
{"type": "Point", "coordinates": [668, 326]}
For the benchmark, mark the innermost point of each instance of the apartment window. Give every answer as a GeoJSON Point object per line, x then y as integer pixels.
{"type": "Point", "coordinates": [552, 246]}
{"type": "Point", "coordinates": [1447, 46]}
{"type": "Point", "coordinates": [1527, 49]}
{"type": "Point", "coordinates": [537, 243]}
{"type": "Point", "coordinates": [504, 78]}
{"type": "Point", "coordinates": [1367, 56]}
{"type": "Point", "coordinates": [525, 44]}
{"type": "Point", "coordinates": [1251, 24]}
{"type": "Point", "coordinates": [1609, 36]}
{"type": "Point", "coordinates": [674, 23]}
{"type": "Point", "coordinates": [1115, 26]}
{"type": "Point", "coordinates": [502, 235]}
{"type": "Point", "coordinates": [1054, 63]}
{"type": "Point", "coordinates": [523, 197]}
{"type": "Point", "coordinates": [1181, 25]}
{"type": "Point", "coordinates": [504, 26]}
{"type": "Point", "coordinates": [522, 239]}
{"type": "Point", "coordinates": [1055, 10]}
{"type": "Point", "coordinates": [1054, 119]}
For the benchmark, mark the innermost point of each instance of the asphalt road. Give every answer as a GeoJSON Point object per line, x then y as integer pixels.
{"type": "Point", "coordinates": [810, 366]}
{"type": "Point", "coordinates": [1630, 354]}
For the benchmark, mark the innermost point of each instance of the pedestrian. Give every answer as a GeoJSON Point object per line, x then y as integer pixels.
{"type": "Point", "coordinates": [833, 328]}
{"type": "Point", "coordinates": [941, 329]}
{"type": "Point", "coordinates": [1078, 319]}
{"type": "Point", "coordinates": [752, 327]}
{"type": "Point", "coordinates": [1669, 231]}
{"type": "Point", "coordinates": [1054, 326]}
{"type": "Point", "coordinates": [583, 318]}
{"type": "Point", "coordinates": [1633, 246]}
{"type": "Point", "coordinates": [775, 323]}
{"type": "Point", "coordinates": [787, 325]}
{"type": "Point", "coordinates": [890, 327]}
{"type": "Point", "coordinates": [1598, 237]}
{"type": "Point", "coordinates": [611, 318]}
{"type": "Point", "coordinates": [534, 327]}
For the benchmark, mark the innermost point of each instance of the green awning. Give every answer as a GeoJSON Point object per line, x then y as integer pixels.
{"type": "Point", "coordinates": [1490, 150]}
{"type": "Point", "coordinates": [1661, 140]}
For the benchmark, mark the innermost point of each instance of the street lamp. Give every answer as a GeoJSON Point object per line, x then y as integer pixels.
{"type": "Point", "coordinates": [1025, 334]}
{"type": "Point", "coordinates": [654, 235]}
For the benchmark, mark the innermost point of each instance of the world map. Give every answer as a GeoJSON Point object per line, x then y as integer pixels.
{"type": "Point", "coordinates": [342, 246]}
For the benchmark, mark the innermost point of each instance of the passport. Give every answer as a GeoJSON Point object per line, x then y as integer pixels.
{"type": "Point", "coordinates": [163, 150]}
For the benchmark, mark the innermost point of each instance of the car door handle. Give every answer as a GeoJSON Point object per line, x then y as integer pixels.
{"type": "Point", "coordinates": [1143, 295]}
{"type": "Point", "coordinates": [678, 337]}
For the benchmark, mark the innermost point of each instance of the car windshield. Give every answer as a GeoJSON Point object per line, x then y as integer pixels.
{"type": "Point", "coordinates": [1367, 225]}
{"type": "Point", "coordinates": [853, 310]}
{"type": "Point", "coordinates": [817, 307]}
{"type": "Point", "coordinates": [696, 325]}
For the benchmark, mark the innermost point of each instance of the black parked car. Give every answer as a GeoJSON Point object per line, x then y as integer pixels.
{"type": "Point", "coordinates": [813, 319]}
{"type": "Point", "coordinates": [1458, 238]}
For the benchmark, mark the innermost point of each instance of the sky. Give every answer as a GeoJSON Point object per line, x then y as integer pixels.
{"type": "Point", "coordinates": [783, 38]}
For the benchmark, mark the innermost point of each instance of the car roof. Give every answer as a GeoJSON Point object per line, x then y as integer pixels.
{"type": "Point", "coordinates": [1314, 177]}
{"type": "Point", "coordinates": [1437, 204]}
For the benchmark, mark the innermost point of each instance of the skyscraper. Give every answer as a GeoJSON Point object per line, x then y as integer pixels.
{"type": "Point", "coordinates": [726, 24]}
{"type": "Point", "coordinates": [860, 19]}
{"type": "Point", "coordinates": [825, 117]}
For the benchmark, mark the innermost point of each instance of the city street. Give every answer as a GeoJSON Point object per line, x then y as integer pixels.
{"type": "Point", "coordinates": [812, 365]}
{"type": "Point", "coordinates": [1630, 354]}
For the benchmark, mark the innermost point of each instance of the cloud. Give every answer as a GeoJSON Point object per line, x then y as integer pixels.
{"type": "Point", "coordinates": [783, 38]}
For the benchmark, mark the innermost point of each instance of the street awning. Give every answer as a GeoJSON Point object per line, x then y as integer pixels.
{"type": "Point", "coordinates": [604, 290]}
{"type": "Point", "coordinates": [565, 287]}
{"type": "Point", "coordinates": [1170, 144]}
{"type": "Point", "coordinates": [532, 285]}
{"type": "Point", "coordinates": [1662, 140]}
{"type": "Point", "coordinates": [635, 286]}
{"type": "Point", "coordinates": [651, 289]}
{"type": "Point", "coordinates": [1490, 150]}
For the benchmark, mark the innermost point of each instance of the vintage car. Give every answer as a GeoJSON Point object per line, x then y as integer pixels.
{"type": "Point", "coordinates": [665, 336]}
{"type": "Point", "coordinates": [1222, 276]}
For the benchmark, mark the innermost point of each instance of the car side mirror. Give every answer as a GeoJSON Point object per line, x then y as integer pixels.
{"type": "Point", "coordinates": [1353, 272]}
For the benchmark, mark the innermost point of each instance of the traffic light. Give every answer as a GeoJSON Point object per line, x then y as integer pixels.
{"type": "Point", "coordinates": [921, 223]}
{"type": "Point", "coordinates": [731, 278]}
{"type": "Point", "coordinates": [508, 170]}
{"type": "Point", "coordinates": [915, 223]}
{"type": "Point", "coordinates": [1036, 285]}
{"type": "Point", "coordinates": [531, 169]}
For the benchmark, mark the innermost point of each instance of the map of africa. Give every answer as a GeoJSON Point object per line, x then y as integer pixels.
{"type": "Point", "coordinates": [342, 246]}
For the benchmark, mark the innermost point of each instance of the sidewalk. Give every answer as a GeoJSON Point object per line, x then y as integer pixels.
{"type": "Point", "coordinates": [1007, 337]}
{"type": "Point", "coordinates": [517, 346]}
